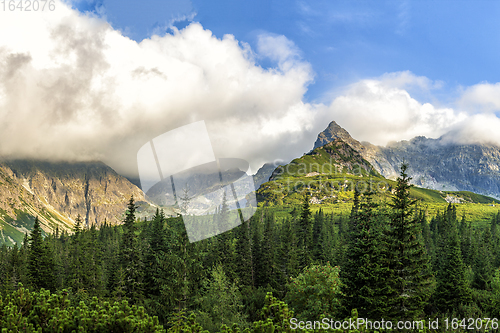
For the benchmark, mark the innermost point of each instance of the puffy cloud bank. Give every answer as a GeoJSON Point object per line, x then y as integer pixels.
{"type": "Point", "coordinates": [381, 110]}
{"type": "Point", "coordinates": [74, 88]}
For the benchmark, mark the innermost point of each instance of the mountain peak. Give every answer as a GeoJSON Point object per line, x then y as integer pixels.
{"type": "Point", "coordinates": [335, 131]}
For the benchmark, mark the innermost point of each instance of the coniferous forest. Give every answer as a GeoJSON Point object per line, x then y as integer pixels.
{"type": "Point", "coordinates": [388, 261]}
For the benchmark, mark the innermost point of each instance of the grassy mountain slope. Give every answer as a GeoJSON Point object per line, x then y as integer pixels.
{"type": "Point", "coordinates": [330, 173]}
{"type": "Point", "coordinates": [439, 164]}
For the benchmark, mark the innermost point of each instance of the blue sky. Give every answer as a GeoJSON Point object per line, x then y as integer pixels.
{"type": "Point", "coordinates": [345, 41]}
{"type": "Point", "coordinates": [95, 80]}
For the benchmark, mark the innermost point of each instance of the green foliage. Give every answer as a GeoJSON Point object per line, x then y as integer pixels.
{"type": "Point", "coordinates": [130, 259]}
{"type": "Point", "coordinates": [180, 286]}
{"type": "Point", "coordinates": [366, 268]}
{"type": "Point", "coordinates": [408, 262]}
{"type": "Point", "coordinates": [243, 251]}
{"type": "Point", "coordinates": [316, 292]}
{"type": "Point", "coordinates": [40, 260]}
{"type": "Point", "coordinates": [42, 311]}
{"type": "Point", "coordinates": [304, 234]}
{"type": "Point", "coordinates": [221, 303]}
{"type": "Point", "coordinates": [452, 285]}
{"type": "Point", "coordinates": [181, 322]}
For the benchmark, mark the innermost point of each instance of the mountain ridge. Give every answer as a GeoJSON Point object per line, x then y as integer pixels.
{"type": "Point", "coordinates": [436, 164]}
{"type": "Point", "coordinates": [57, 192]}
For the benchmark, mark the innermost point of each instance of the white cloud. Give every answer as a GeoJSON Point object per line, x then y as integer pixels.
{"type": "Point", "coordinates": [477, 128]}
{"type": "Point", "coordinates": [406, 80]}
{"type": "Point", "coordinates": [481, 97]}
{"type": "Point", "coordinates": [380, 110]}
{"type": "Point", "coordinates": [72, 87]}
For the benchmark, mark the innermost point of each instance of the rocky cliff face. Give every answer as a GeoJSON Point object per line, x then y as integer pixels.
{"type": "Point", "coordinates": [433, 163]}
{"type": "Point", "coordinates": [58, 192]}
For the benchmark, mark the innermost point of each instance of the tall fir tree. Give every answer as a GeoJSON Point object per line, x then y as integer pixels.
{"type": "Point", "coordinates": [40, 260]}
{"type": "Point", "coordinates": [483, 262]}
{"type": "Point", "coordinates": [318, 249]}
{"type": "Point", "coordinates": [268, 273]}
{"type": "Point", "coordinates": [224, 240]}
{"type": "Point", "coordinates": [408, 261]}
{"type": "Point", "coordinates": [452, 286]}
{"type": "Point", "coordinates": [289, 251]}
{"type": "Point", "coordinates": [366, 270]}
{"type": "Point", "coordinates": [130, 259]}
{"type": "Point", "coordinates": [243, 267]}
{"type": "Point", "coordinates": [304, 233]}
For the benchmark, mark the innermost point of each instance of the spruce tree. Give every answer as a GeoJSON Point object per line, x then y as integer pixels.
{"type": "Point", "coordinates": [289, 251]}
{"type": "Point", "coordinates": [483, 263]}
{"type": "Point", "coordinates": [304, 232]}
{"type": "Point", "coordinates": [452, 286]}
{"type": "Point", "coordinates": [407, 259]}
{"type": "Point", "coordinates": [365, 271]}
{"type": "Point", "coordinates": [256, 235]}
{"type": "Point", "coordinates": [268, 269]}
{"type": "Point", "coordinates": [76, 257]}
{"type": "Point", "coordinates": [157, 269]}
{"type": "Point", "coordinates": [466, 242]}
{"type": "Point", "coordinates": [40, 260]}
{"type": "Point", "coordinates": [243, 267]}
{"type": "Point", "coordinates": [130, 259]}
{"type": "Point", "coordinates": [318, 249]}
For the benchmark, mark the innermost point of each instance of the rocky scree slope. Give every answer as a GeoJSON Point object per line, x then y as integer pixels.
{"type": "Point", "coordinates": [58, 193]}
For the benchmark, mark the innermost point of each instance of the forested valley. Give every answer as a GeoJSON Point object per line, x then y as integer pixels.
{"type": "Point", "coordinates": [383, 260]}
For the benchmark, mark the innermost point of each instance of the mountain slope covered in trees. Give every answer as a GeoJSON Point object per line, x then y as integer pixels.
{"type": "Point", "coordinates": [261, 274]}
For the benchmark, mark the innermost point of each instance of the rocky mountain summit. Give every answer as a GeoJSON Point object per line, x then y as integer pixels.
{"type": "Point", "coordinates": [438, 164]}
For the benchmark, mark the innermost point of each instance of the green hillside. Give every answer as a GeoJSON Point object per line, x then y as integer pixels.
{"type": "Point", "coordinates": [330, 174]}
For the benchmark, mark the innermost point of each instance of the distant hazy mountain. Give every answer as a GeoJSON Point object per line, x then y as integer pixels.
{"type": "Point", "coordinates": [433, 163]}
{"type": "Point", "coordinates": [263, 174]}
{"type": "Point", "coordinates": [57, 193]}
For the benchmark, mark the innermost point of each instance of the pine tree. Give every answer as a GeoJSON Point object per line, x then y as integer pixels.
{"type": "Point", "coordinates": [318, 249]}
{"type": "Point", "coordinates": [329, 240]}
{"type": "Point", "coordinates": [40, 260]}
{"type": "Point", "coordinates": [466, 241]}
{"type": "Point", "coordinates": [342, 240]}
{"type": "Point", "coordinates": [289, 251]}
{"type": "Point", "coordinates": [243, 267]}
{"type": "Point", "coordinates": [304, 234]}
{"type": "Point", "coordinates": [154, 266]}
{"type": "Point", "coordinates": [130, 259]}
{"type": "Point", "coordinates": [268, 268]}
{"type": "Point", "coordinates": [256, 235]}
{"type": "Point", "coordinates": [407, 259]}
{"type": "Point", "coordinates": [224, 240]}
{"type": "Point", "coordinates": [365, 271]}
{"type": "Point", "coordinates": [483, 263]}
{"type": "Point", "coordinates": [426, 234]}
{"type": "Point", "coordinates": [452, 286]}
{"type": "Point", "coordinates": [76, 257]}
{"type": "Point", "coordinates": [157, 269]}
